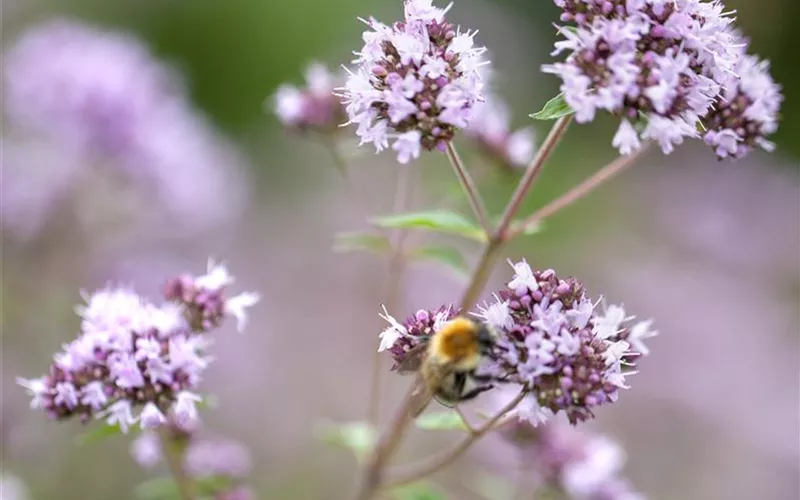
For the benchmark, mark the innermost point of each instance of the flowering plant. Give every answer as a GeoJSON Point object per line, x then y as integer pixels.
{"type": "Point", "coordinates": [549, 353]}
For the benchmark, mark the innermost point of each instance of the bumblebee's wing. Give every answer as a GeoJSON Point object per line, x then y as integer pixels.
{"type": "Point", "coordinates": [413, 359]}
{"type": "Point", "coordinates": [420, 396]}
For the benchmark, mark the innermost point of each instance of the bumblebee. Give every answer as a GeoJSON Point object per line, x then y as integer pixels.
{"type": "Point", "coordinates": [446, 362]}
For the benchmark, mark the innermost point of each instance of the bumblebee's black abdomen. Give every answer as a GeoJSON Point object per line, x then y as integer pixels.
{"type": "Point", "coordinates": [449, 394]}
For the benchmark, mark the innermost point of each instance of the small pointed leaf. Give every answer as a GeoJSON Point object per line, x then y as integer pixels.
{"type": "Point", "coordinates": [554, 108]}
{"type": "Point", "coordinates": [158, 488]}
{"type": "Point", "coordinates": [439, 221]}
{"type": "Point", "coordinates": [445, 420]}
{"type": "Point", "coordinates": [419, 491]}
{"type": "Point", "coordinates": [443, 254]}
{"type": "Point", "coordinates": [103, 431]}
{"type": "Point", "coordinates": [351, 241]}
{"type": "Point", "coordinates": [359, 437]}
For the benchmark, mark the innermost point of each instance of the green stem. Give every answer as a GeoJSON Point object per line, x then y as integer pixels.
{"type": "Point", "coordinates": [173, 455]}
{"type": "Point", "coordinates": [426, 469]}
{"type": "Point", "coordinates": [468, 183]}
{"type": "Point", "coordinates": [576, 193]}
{"type": "Point", "coordinates": [532, 173]}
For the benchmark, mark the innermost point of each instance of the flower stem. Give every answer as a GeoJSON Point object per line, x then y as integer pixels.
{"type": "Point", "coordinates": [394, 288]}
{"type": "Point", "coordinates": [532, 173]}
{"type": "Point", "coordinates": [426, 469]}
{"type": "Point", "coordinates": [500, 236]}
{"type": "Point", "coordinates": [576, 193]}
{"type": "Point", "coordinates": [388, 442]}
{"type": "Point", "coordinates": [173, 455]}
{"type": "Point", "coordinates": [340, 162]}
{"type": "Point", "coordinates": [467, 182]}
{"type": "Point", "coordinates": [392, 437]}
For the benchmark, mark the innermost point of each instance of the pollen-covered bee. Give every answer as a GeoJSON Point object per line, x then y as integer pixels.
{"type": "Point", "coordinates": [446, 362]}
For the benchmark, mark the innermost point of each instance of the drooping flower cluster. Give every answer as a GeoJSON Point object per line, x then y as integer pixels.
{"type": "Point", "coordinates": [658, 64]}
{"type": "Point", "coordinates": [312, 107]}
{"type": "Point", "coordinates": [554, 342]}
{"type": "Point", "coordinates": [136, 356]}
{"type": "Point", "coordinates": [113, 112]}
{"type": "Point", "coordinates": [221, 465]}
{"type": "Point", "coordinates": [399, 338]}
{"type": "Point", "coordinates": [746, 112]}
{"type": "Point", "coordinates": [575, 463]}
{"type": "Point", "coordinates": [416, 82]}
{"type": "Point", "coordinates": [490, 129]}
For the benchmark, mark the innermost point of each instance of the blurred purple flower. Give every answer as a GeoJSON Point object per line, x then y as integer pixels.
{"type": "Point", "coordinates": [101, 99]}
{"type": "Point", "coordinates": [12, 487]}
{"type": "Point", "coordinates": [35, 179]}
{"type": "Point", "coordinates": [88, 89]}
{"type": "Point", "coordinates": [489, 128]}
{"type": "Point", "coordinates": [227, 462]}
{"type": "Point", "coordinates": [312, 107]}
{"type": "Point", "coordinates": [576, 463]}
{"type": "Point", "coordinates": [134, 354]}
{"type": "Point", "coordinates": [227, 458]}
{"type": "Point", "coordinates": [416, 81]}
{"type": "Point", "coordinates": [658, 64]}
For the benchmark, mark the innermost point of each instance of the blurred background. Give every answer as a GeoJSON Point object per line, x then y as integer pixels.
{"type": "Point", "coordinates": [710, 250]}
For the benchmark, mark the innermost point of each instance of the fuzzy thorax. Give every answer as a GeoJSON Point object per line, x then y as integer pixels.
{"type": "Point", "coordinates": [456, 344]}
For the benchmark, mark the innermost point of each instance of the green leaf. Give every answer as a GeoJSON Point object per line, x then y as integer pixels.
{"type": "Point", "coordinates": [440, 221]}
{"type": "Point", "coordinates": [359, 437]}
{"type": "Point", "coordinates": [446, 420]}
{"type": "Point", "coordinates": [158, 488]}
{"type": "Point", "coordinates": [442, 254]}
{"type": "Point", "coordinates": [554, 108]}
{"type": "Point", "coordinates": [528, 230]}
{"type": "Point", "coordinates": [348, 242]}
{"type": "Point", "coordinates": [419, 491]}
{"type": "Point", "coordinates": [165, 488]}
{"type": "Point", "coordinates": [491, 487]}
{"type": "Point", "coordinates": [212, 485]}
{"type": "Point", "coordinates": [100, 433]}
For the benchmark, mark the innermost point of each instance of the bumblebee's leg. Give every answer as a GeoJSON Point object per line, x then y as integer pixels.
{"type": "Point", "coordinates": [489, 378]}
{"type": "Point", "coordinates": [475, 392]}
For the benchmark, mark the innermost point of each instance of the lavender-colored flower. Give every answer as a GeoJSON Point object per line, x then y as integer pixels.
{"type": "Point", "coordinates": [416, 82]}
{"type": "Point", "coordinates": [555, 342]}
{"type": "Point", "coordinates": [134, 354]}
{"type": "Point", "coordinates": [658, 64]}
{"type": "Point", "coordinates": [226, 461]}
{"type": "Point", "coordinates": [489, 128]}
{"type": "Point", "coordinates": [746, 112]}
{"type": "Point", "coordinates": [580, 465]}
{"type": "Point", "coordinates": [12, 487]}
{"type": "Point", "coordinates": [36, 178]}
{"type": "Point", "coordinates": [238, 493]}
{"type": "Point", "coordinates": [206, 458]}
{"type": "Point", "coordinates": [205, 298]}
{"type": "Point", "coordinates": [87, 88]}
{"type": "Point", "coordinates": [100, 98]}
{"type": "Point", "coordinates": [399, 338]}
{"type": "Point", "coordinates": [312, 107]}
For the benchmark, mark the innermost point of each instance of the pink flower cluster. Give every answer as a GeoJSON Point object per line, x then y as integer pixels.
{"type": "Point", "coordinates": [135, 356]}
{"type": "Point", "coordinates": [415, 82]}
{"type": "Point", "coordinates": [669, 69]}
